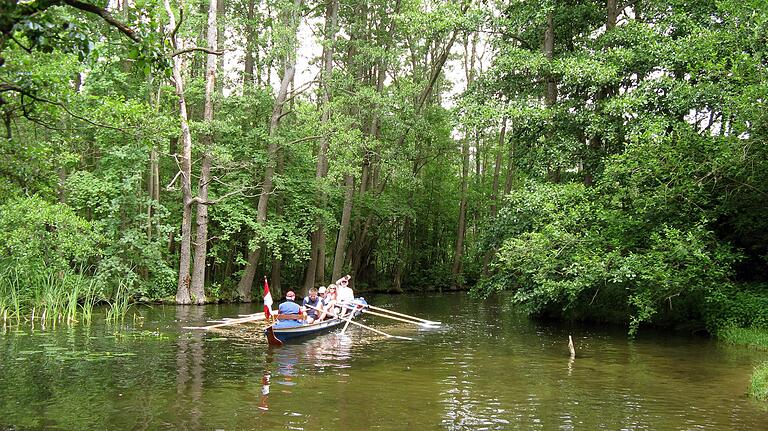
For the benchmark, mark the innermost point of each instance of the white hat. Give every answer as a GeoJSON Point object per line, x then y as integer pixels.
{"type": "Point", "coordinates": [321, 289]}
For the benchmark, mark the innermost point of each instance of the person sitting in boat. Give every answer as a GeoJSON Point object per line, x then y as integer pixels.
{"type": "Point", "coordinates": [328, 302]}
{"type": "Point", "coordinates": [345, 294]}
{"type": "Point", "coordinates": [289, 312]}
{"type": "Point", "coordinates": [314, 304]}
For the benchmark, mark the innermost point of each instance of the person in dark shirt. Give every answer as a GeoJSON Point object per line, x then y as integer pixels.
{"type": "Point", "coordinates": [314, 303]}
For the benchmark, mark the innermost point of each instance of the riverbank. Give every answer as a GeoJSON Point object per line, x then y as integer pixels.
{"type": "Point", "coordinates": [755, 338]}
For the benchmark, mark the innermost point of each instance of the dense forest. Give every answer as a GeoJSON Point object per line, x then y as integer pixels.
{"type": "Point", "coordinates": [601, 160]}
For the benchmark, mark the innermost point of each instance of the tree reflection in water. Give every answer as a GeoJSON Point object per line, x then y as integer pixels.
{"type": "Point", "coordinates": [190, 371]}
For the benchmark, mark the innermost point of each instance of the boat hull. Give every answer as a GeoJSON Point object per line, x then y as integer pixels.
{"type": "Point", "coordinates": [278, 336]}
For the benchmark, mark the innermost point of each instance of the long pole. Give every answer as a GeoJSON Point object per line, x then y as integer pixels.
{"type": "Point", "coordinates": [431, 322]}
{"type": "Point", "coordinates": [363, 326]}
{"type": "Point", "coordinates": [426, 325]}
{"type": "Point", "coordinates": [228, 322]}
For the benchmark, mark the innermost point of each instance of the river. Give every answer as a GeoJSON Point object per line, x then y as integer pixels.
{"type": "Point", "coordinates": [486, 368]}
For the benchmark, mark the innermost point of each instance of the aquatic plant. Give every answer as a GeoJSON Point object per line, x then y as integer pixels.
{"type": "Point", "coordinates": [119, 305]}
{"type": "Point", "coordinates": [10, 301]}
{"type": "Point", "coordinates": [759, 386]}
{"type": "Point", "coordinates": [89, 301]}
{"type": "Point", "coordinates": [45, 296]}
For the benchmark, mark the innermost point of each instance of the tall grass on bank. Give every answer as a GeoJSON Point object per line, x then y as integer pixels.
{"type": "Point", "coordinates": [759, 386]}
{"type": "Point", "coordinates": [755, 338]}
{"type": "Point", "coordinates": [45, 296]}
{"type": "Point", "coordinates": [751, 337]}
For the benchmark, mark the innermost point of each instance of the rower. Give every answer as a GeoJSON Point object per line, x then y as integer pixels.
{"type": "Point", "coordinates": [289, 312]}
{"type": "Point", "coordinates": [345, 293]}
{"type": "Point", "coordinates": [314, 302]}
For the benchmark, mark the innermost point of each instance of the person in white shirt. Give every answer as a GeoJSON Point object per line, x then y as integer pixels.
{"type": "Point", "coordinates": [345, 293]}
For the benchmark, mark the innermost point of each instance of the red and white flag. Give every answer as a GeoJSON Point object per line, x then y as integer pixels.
{"type": "Point", "coordinates": [267, 300]}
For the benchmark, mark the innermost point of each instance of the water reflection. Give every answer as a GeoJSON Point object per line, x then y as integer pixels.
{"type": "Point", "coordinates": [190, 369]}
{"type": "Point", "coordinates": [485, 368]}
{"type": "Point", "coordinates": [265, 382]}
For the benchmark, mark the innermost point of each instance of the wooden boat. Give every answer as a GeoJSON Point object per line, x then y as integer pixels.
{"type": "Point", "coordinates": [276, 336]}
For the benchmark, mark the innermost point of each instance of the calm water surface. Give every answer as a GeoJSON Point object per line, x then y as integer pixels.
{"type": "Point", "coordinates": [487, 367]}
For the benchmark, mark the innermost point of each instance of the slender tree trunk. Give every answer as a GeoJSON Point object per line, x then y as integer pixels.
{"type": "Point", "coordinates": [458, 255]}
{"type": "Point", "coordinates": [153, 188]}
{"type": "Point", "coordinates": [249, 44]}
{"type": "Point", "coordinates": [550, 96]}
{"type": "Point", "coordinates": [359, 235]}
{"type": "Point", "coordinates": [459, 249]}
{"type": "Point", "coordinates": [341, 242]}
{"type": "Point", "coordinates": [246, 282]}
{"type": "Point", "coordinates": [182, 289]}
{"type": "Point", "coordinates": [495, 188]}
{"type": "Point", "coordinates": [511, 173]}
{"type": "Point", "coordinates": [497, 167]}
{"type": "Point", "coordinates": [612, 13]}
{"type": "Point", "coordinates": [197, 286]}
{"type": "Point", "coordinates": [595, 142]}
{"type": "Point", "coordinates": [316, 266]}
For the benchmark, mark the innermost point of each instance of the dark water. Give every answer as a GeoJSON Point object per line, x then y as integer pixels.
{"type": "Point", "coordinates": [486, 368]}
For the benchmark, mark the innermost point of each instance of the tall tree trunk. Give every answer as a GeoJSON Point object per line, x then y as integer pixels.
{"type": "Point", "coordinates": [511, 173]}
{"type": "Point", "coordinates": [595, 142]}
{"type": "Point", "coordinates": [316, 265]}
{"type": "Point", "coordinates": [458, 253]}
{"type": "Point", "coordinates": [497, 167]}
{"type": "Point", "coordinates": [550, 95]}
{"type": "Point", "coordinates": [249, 44]}
{"type": "Point", "coordinates": [612, 14]}
{"type": "Point", "coordinates": [495, 188]}
{"type": "Point", "coordinates": [246, 282]}
{"type": "Point", "coordinates": [197, 286]}
{"type": "Point", "coordinates": [341, 242]}
{"type": "Point", "coordinates": [277, 263]}
{"type": "Point", "coordinates": [360, 230]}
{"type": "Point", "coordinates": [182, 289]}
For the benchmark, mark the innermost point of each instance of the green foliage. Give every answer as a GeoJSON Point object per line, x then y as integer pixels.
{"type": "Point", "coordinates": [758, 388]}
{"type": "Point", "coordinates": [656, 117]}
{"type": "Point", "coordinates": [565, 246]}
{"type": "Point", "coordinates": [743, 307]}
{"type": "Point", "coordinates": [38, 234]}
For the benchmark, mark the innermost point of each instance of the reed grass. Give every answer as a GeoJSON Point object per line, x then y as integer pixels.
{"type": "Point", "coordinates": [47, 296]}
{"type": "Point", "coordinates": [759, 385]}
{"type": "Point", "coordinates": [119, 305]}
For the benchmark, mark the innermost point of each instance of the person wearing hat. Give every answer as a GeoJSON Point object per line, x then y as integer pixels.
{"type": "Point", "coordinates": [288, 312]}
{"type": "Point", "coordinates": [328, 302]}
{"type": "Point", "coordinates": [345, 293]}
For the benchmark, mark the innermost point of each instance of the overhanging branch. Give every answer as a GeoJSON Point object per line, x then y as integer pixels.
{"type": "Point", "coordinates": [196, 48]}
{"type": "Point", "coordinates": [106, 16]}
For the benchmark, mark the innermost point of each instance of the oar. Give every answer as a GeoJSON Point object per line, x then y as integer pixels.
{"type": "Point", "coordinates": [429, 322]}
{"type": "Point", "coordinates": [256, 314]}
{"type": "Point", "coordinates": [422, 324]}
{"type": "Point", "coordinates": [228, 322]}
{"type": "Point", "coordinates": [332, 313]}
